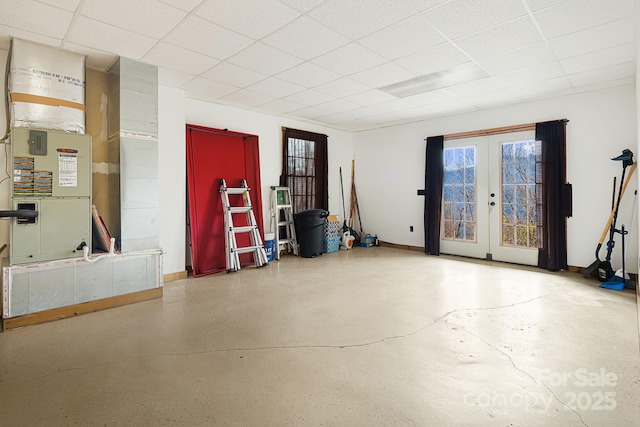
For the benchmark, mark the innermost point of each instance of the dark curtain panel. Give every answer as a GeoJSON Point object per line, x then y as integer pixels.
{"type": "Point", "coordinates": [553, 202]}
{"type": "Point", "coordinates": [315, 172]}
{"type": "Point", "coordinates": [322, 174]}
{"type": "Point", "coordinates": [433, 180]}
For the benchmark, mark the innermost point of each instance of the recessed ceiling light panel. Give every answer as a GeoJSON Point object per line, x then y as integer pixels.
{"type": "Point", "coordinates": [439, 80]}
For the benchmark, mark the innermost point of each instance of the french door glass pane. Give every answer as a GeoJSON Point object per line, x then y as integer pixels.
{"type": "Point", "coordinates": [519, 194]}
{"type": "Point", "coordinates": [459, 201]}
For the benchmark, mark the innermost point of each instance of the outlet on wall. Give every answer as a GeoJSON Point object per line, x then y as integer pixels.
{"type": "Point", "coordinates": [411, 228]}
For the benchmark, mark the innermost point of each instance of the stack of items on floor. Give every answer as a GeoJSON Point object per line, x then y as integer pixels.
{"type": "Point", "coordinates": [331, 234]}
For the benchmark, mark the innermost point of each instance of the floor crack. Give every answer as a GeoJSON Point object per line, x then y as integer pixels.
{"type": "Point", "coordinates": [564, 404]}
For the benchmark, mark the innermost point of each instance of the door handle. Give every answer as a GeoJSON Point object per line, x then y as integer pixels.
{"type": "Point", "coordinates": [492, 203]}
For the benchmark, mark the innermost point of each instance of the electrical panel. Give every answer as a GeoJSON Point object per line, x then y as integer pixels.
{"type": "Point", "coordinates": [51, 174]}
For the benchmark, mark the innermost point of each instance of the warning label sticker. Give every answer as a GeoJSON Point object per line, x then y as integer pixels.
{"type": "Point", "coordinates": [67, 170]}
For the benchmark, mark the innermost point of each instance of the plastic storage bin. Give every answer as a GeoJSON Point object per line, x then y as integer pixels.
{"type": "Point", "coordinates": [310, 231]}
{"type": "Point", "coordinates": [331, 244]}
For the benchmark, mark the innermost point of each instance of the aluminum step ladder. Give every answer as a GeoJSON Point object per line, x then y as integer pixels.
{"type": "Point", "coordinates": [282, 222]}
{"type": "Point", "coordinates": [231, 244]}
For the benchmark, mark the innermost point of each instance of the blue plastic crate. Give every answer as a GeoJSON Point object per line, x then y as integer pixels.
{"type": "Point", "coordinates": [331, 244]}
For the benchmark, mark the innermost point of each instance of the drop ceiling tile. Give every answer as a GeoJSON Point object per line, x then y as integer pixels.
{"type": "Point", "coordinates": [196, 34]}
{"type": "Point", "coordinates": [357, 18]}
{"type": "Point", "coordinates": [341, 87]}
{"type": "Point", "coordinates": [539, 89]}
{"type": "Point", "coordinates": [514, 34]}
{"type": "Point", "coordinates": [601, 75]}
{"type": "Point", "coordinates": [428, 98]}
{"type": "Point", "coordinates": [370, 111]}
{"type": "Point", "coordinates": [37, 17]}
{"type": "Point", "coordinates": [537, 73]}
{"type": "Point", "coordinates": [349, 59]}
{"type": "Point", "coordinates": [186, 5]}
{"type": "Point", "coordinates": [264, 59]}
{"type": "Point", "coordinates": [305, 38]}
{"type": "Point", "coordinates": [517, 59]}
{"type": "Point", "coordinates": [311, 113]}
{"type": "Point", "coordinates": [148, 17]}
{"type": "Point", "coordinates": [179, 59]}
{"type": "Point", "coordinates": [303, 5]}
{"type": "Point", "coordinates": [234, 75]}
{"type": "Point", "coordinates": [406, 37]}
{"type": "Point", "coordinates": [429, 61]}
{"type": "Point", "coordinates": [536, 5]}
{"type": "Point", "coordinates": [70, 5]}
{"type": "Point", "coordinates": [246, 99]}
{"type": "Point", "coordinates": [383, 75]}
{"type": "Point", "coordinates": [173, 78]}
{"type": "Point", "coordinates": [338, 106]}
{"type": "Point", "coordinates": [575, 15]}
{"type": "Point", "coordinates": [594, 39]}
{"type": "Point", "coordinates": [96, 59]}
{"type": "Point", "coordinates": [607, 84]}
{"type": "Point", "coordinates": [308, 75]}
{"type": "Point", "coordinates": [477, 86]}
{"type": "Point", "coordinates": [7, 32]}
{"type": "Point", "coordinates": [280, 106]}
{"type": "Point", "coordinates": [459, 18]}
{"type": "Point", "coordinates": [370, 97]}
{"type": "Point", "coordinates": [419, 113]}
{"type": "Point", "coordinates": [309, 97]}
{"type": "Point", "coordinates": [107, 38]}
{"type": "Point", "coordinates": [275, 88]}
{"type": "Point", "coordinates": [600, 59]}
{"type": "Point", "coordinates": [208, 88]}
{"type": "Point", "coordinates": [456, 105]}
{"type": "Point", "coordinates": [256, 19]}
{"type": "Point", "coordinates": [493, 98]}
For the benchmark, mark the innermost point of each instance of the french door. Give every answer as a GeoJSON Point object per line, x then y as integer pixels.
{"type": "Point", "coordinates": [489, 198]}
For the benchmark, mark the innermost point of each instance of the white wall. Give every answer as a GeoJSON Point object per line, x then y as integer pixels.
{"type": "Point", "coordinates": [172, 177]}
{"type": "Point", "coordinates": [390, 166]}
{"type": "Point", "coordinates": [5, 189]}
{"type": "Point", "coordinates": [269, 131]}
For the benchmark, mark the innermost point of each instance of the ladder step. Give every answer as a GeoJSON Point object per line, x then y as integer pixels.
{"type": "Point", "coordinates": [240, 209]}
{"type": "Point", "coordinates": [244, 229]}
{"type": "Point", "coordinates": [284, 206]}
{"type": "Point", "coordinates": [235, 190]}
{"type": "Point", "coordinates": [246, 249]}
{"type": "Point", "coordinates": [282, 223]}
{"type": "Point", "coordinates": [283, 241]}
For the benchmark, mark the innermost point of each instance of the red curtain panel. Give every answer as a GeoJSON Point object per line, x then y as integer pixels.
{"type": "Point", "coordinates": [212, 155]}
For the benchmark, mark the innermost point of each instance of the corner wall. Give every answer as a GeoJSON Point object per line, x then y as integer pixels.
{"type": "Point", "coordinates": [390, 166]}
{"type": "Point", "coordinates": [172, 177]}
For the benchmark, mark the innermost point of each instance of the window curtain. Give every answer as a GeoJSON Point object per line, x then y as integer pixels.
{"type": "Point", "coordinates": [321, 163]}
{"type": "Point", "coordinates": [433, 180]}
{"type": "Point", "coordinates": [553, 194]}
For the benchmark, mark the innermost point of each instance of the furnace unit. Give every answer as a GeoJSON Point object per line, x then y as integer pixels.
{"type": "Point", "coordinates": [51, 174]}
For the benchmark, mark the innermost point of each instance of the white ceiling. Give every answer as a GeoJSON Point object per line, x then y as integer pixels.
{"type": "Point", "coordinates": [324, 61]}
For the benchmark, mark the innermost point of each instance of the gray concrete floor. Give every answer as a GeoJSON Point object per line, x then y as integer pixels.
{"type": "Point", "coordinates": [374, 336]}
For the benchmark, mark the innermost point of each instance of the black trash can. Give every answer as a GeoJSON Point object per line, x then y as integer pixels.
{"type": "Point", "coordinates": [310, 231]}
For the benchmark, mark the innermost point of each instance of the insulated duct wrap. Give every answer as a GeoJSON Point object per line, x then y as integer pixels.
{"type": "Point", "coordinates": [46, 87]}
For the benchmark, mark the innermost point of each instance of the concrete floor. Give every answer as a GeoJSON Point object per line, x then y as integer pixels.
{"type": "Point", "coordinates": [374, 336]}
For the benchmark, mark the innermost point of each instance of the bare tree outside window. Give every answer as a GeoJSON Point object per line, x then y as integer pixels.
{"type": "Point", "coordinates": [459, 194]}
{"type": "Point", "coordinates": [519, 213]}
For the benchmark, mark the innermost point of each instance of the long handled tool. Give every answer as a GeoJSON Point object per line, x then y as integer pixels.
{"type": "Point", "coordinates": [605, 266]}
{"type": "Point", "coordinates": [345, 227]}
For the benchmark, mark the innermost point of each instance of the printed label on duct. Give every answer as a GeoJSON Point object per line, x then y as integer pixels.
{"type": "Point", "coordinates": [67, 170]}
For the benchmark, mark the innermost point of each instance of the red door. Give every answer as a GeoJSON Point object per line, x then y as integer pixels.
{"type": "Point", "coordinates": [212, 155]}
